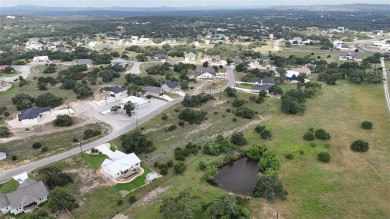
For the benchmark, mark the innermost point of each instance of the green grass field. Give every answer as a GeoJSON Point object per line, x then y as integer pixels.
{"type": "Point", "coordinates": [8, 186]}
{"type": "Point", "coordinates": [95, 160]}
{"type": "Point", "coordinates": [139, 181]}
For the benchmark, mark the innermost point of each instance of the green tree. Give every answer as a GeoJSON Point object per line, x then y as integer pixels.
{"type": "Point", "coordinates": [82, 91]}
{"type": "Point", "coordinates": [4, 132]}
{"type": "Point", "coordinates": [324, 157]}
{"type": "Point", "coordinates": [41, 85]}
{"type": "Point", "coordinates": [241, 67]}
{"type": "Point", "coordinates": [115, 108]}
{"type": "Point", "coordinates": [266, 134]}
{"type": "Point", "coordinates": [129, 108]}
{"type": "Point", "coordinates": [224, 206]}
{"type": "Point", "coordinates": [53, 176]}
{"type": "Point", "coordinates": [63, 120]}
{"type": "Point", "coordinates": [367, 125]}
{"type": "Point", "coordinates": [48, 99]}
{"type": "Point", "coordinates": [360, 146]}
{"type": "Point", "coordinates": [22, 101]}
{"type": "Point", "coordinates": [238, 139]}
{"type": "Point", "coordinates": [322, 134]}
{"type": "Point", "coordinates": [60, 198]}
{"type": "Point", "coordinates": [136, 142]}
{"type": "Point", "coordinates": [230, 92]}
{"type": "Point", "coordinates": [269, 188]}
{"type": "Point", "coordinates": [185, 206]}
{"type": "Point", "coordinates": [38, 214]}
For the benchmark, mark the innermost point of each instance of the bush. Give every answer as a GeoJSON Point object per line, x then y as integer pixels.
{"type": "Point", "coordinates": [179, 167]}
{"type": "Point", "coordinates": [234, 119]}
{"type": "Point", "coordinates": [360, 146]}
{"type": "Point", "coordinates": [132, 199]}
{"type": "Point", "coordinates": [309, 135]}
{"type": "Point", "coordinates": [119, 202]}
{"type": "Point", "coordinates": [164, 116]}
{"type": "Point", "coordinates": [163, 171]}
{"type": "Point", "coordinates": [44, 149]}
{"type": "Point", "coordinates": [170, 163]}
{"type": "Point", "coordinates": [91, 133]}
{"type": "Point", "coordinates": [172, 127]}
{"type": "Point", "coordinates": [155, 165]}
{"type": "Point", "coordinates": [324, 157]}
{"type": "Point", "coordinates": [181, 123]}
{"type": "Point", "coordinates": [269, 188]}
{"type": "Point", "coordinates": [245, 113]}
{"type": "Point", "coordinates": [260, 128]}
{"type": "Point", "coordinates": [238, 139]}
{"type": "Point", "coordinates": [192, 116]}
{"type": "Point", "coordinates": [322, 134]}
{"type": "Point", "coordinates": [14, 157]}
{"type": "Point", "coordinates": [289, 156]}
{"type": "Point", "coordinates": [238, 103]}
{"type": "Point", "coordinates": [63, 120]}
{"type": "Point", "coordinates": [4, 132]}
{"type": "Point", "coordinates": [6, 114]}
{"type": "Point", "coordinates": [228, 110]}
{"type": "Point", "coordinates": [266, 134]}
{"type": "Point", "coordinates": [37, 145]}
{"type": "Point", "coordinates": [202, 165]}
{"type": "Point", "coordinates": [75, 140]}
{"type": "Point", "coordinates": [367, 125]}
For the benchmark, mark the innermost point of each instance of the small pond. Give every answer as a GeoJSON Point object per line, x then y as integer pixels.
{"type": "Point", "coordinates": [238, 176]}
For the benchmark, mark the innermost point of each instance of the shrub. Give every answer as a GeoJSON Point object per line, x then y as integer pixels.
{"type": "Point", "coordinates": [164, 116]}
{"type": "Point", "coordinates": [234, 119]}
{"type": "Point", "coordinates": [260, 128]}
{"type": "Point", "coordinates": [155, 165]}
{"type": "Point", "coordinates": [192, 116]}
{"type": "Point", "coordinates": [301, 152]}
{"type": "Point", "coordinates": [163, 171]}
{"type": "Point", "coordinates": [322, 134]}
{"type": "Point", "coordinates": [119, 202]}
{"type": "Point", "coordinates": [289, 156]}
{"type": "Point", "coordinates": [75, 140]}
{"type": "Point", "coordinates": [37, 145]}
{"type": "Point", "coordinates": [202, 165]}
{"type": "Point", "coordinates": [14, 157]}
{"type": "Point", "coordinates": [269, 188]}
{"type": "Point", "coordinates": [360, 146]}
{"type": "Point", "coordinates": [266, 134]}
{"type": "Point", "coordinates": [91, 133]}
{"type": "Point", "coordinates": [309, 135]}
{"type": "Point", "coordinates": [228, 110]}
{"type": "Point", "coordinates": [63, 120]}
{"type": "Point", "coordinates": [324, 157]}
{"type": "Point", "coordinates": [132, 199]}
{"type": "Point", "coordinates": [172, 127]}
{"type": "Point", "coordinates": [4, 132]}
{"type": "Point", "coordinates": [44, 149]}
{"type": "Point", "coordinates": [238, 103]}
{"type": "Point", "coordinates": [6, 114]}
{"type": "Point", "coordinates": [170, 163]}
{"type": "Point", "coordinates": [367, 125]}
{"type": "Point", "coordinates": [238, 139]}
{"type": "Point", "coordinates": [179, 167]}
{"type": "Point", "coordinates": [245, 113]}
{"type": "Point", "coordinates": [181, 123]}
{"type": "Point", "coordinates": [148, 96]}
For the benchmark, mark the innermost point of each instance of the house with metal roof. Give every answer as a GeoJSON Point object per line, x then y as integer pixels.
{"type": "Point", "coordinates": [121, 62]}
{"type": "Point", "coordinates": [32, 116]}
{"type": "Point", "coordinates": [118, 92]}
{"type": "Point", "coordinates": [87, 62]}
{"type": "Point", "coordinates": [205, 73]}
{"type": "Point", "coordinates": [171, 87]}
{"type": "Point", "coordinates": [25, 199]}
{"type": "Point", "coordinates": [190, 57]}
{"type": "Point", "coordinates": [121, 165]}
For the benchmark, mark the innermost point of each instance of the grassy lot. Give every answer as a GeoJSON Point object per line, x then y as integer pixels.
{"type": "Point", "coordinates": [139, 181]}
{"type": "Point", "coordinates": [63, 141]}
{"type": "Point", "coordinates": [244, 85]}
{"type": "Point", "coordinates": [95, 160]}
{"type": "Point", "coordinates": [351, 185]}
{"type": "Point", "coordinates": [8, 186]}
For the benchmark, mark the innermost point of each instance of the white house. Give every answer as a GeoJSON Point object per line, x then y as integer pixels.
{"type": "Point", "coordinates": [41, 60]}
{"type": "Point", "coordinates": [350, 56]}
{"type": "Point", "coordinates": [170, 40]}
{"type": "Point", "coordinates": [303, 70]}
{"type": "Point", "coordinates": [25, 199]}
{"type": "Point", "coordinates": [171, 87]}
{"type": "Point", "coordinates": [298, 41]}
{"type": "Point", "coordinates": [205, 73]}
{"type": "Point", "coordinates": [292, 75]}
{"type": "Point", "coordinates": [121, 165]}
{"type": "Point", "coordinates": [5, 85]}
{"type": "Point", "coordinates": [32, 116]}
{"type": "Point", "coordinates": [190, 57]}
{"type": "Point", "coordinates": [137, 101]}
{"type": "Point", "coordinates": [87, 62]}
{"type": "Point", "coordinates": [3, 154]}
{"type": "Point", "coordinates": [121, 62]}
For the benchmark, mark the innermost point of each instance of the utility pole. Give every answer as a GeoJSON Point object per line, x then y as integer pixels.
{"type": "Point", "coordinates": [220, 94]}
{"type": "Point", "coordinates": [81, 149]}
{"type": "Point", "coordinates": [136, 123]}
{"type": "Point", "coordinates": [67, 103]}
{"type": "Point", "coordinates": [105, 96]}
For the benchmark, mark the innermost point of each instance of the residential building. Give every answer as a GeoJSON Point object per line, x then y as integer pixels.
{"type": "Point", "coordinates": [113, 38]}
{"type": "Point", "coordinates": [154, 91]}
{"type": "Point", "coordinates": [170, 40]}
{"type": "Point", "coordinates": [5, 85]}
{"type": "Point", "coordinates": [205, 73]}
{"type": "Point", "coordinates": [137, 101]}
{"type": "Point", "coordinates": [117, 92]}
{"type": "Point", "coordinates": [25, 199]}
{"type": "Point", "coordinates": [161, 57]}
{"type": "Point", "coordinates": [121, 62]}
{"type": "Point", "coordinates": [32, 116]}
{"type": "Point", "coordinates": [87, 62]}
{"type": "Point", "coordinates": [303, 70]}
{"type": "Point", "coordinates": [121, 165]}
{"type": "Point", "coordinates": [190, 57]}
{"type": "Point", "coordinates": [298, 41]}
{"type": "Point", "coordinates": [263, 84]}
{"type": "Point", "coordinates": [41, 60]}
{"type": "Point", "coordinates": [102, 47]}
{"type": "Point", "coordinates": [291, 75]}
{"type": "Point", "coordinates": [237, 60]}
{"type": "Point", "coordinates": [212, 59]}
{"type": "Point", "coordinates": [171, 87]}
{"type": "Point", "coordinates": [350, 56]}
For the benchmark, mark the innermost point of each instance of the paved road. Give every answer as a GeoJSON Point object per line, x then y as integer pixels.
{"type": "Point", "coordinates": [25, 72]}
{"type": "Point", "coordinates": [358, 46]}
{"type": "Point", "coordinates": [385, 84]}
{"type": "Point", "coordinates": [115, 133]}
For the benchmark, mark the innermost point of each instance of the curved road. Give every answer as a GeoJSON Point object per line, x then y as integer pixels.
{"type": "Point", "coordinates": [115, 133]}
{"type": "Point", "coordinates": [276, 44]}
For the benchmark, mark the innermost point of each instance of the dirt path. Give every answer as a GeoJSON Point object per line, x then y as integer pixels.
{"type": "Point", "coordinates": [151, 196]}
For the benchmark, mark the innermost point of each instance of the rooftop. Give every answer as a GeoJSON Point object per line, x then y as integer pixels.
{"type": "Point", "coordinates": [32, 113]}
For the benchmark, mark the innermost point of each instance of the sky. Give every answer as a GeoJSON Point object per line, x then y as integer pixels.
{"type": "Point", "coordinates": [177, 3]}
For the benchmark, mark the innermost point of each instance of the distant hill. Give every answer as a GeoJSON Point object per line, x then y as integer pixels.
{"type": "Point", "coordinates": [344, 7]}
{"type": "Point", "coordinates": [147, 11]}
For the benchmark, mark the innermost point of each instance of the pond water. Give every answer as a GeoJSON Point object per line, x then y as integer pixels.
{"type": "Point", "coordinates": [238, 176]}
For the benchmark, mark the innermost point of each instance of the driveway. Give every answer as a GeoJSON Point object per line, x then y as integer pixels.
{"type": "Point", "coordinates": [25, 72]}
{"type": "Point", "coordinates": [385, 84]}
{"type": "Point", "coordinates": [276, 44]}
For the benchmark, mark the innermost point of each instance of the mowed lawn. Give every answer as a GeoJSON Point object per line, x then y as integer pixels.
{"type": "Point", "coordinates": [352, 185]}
